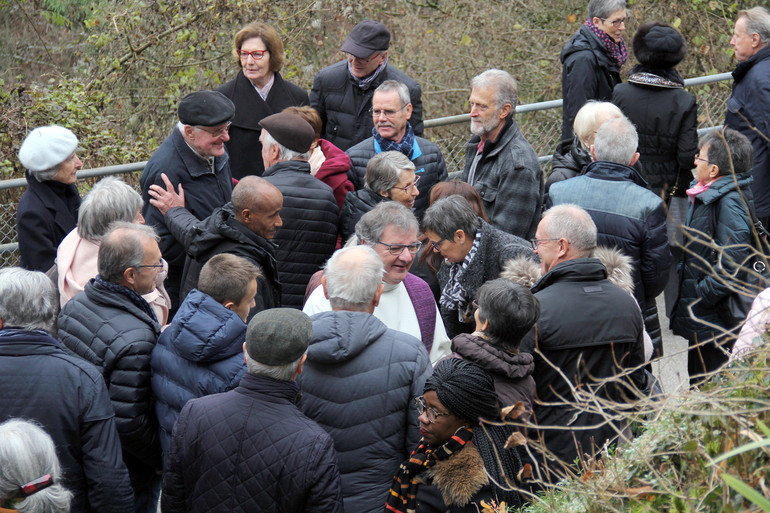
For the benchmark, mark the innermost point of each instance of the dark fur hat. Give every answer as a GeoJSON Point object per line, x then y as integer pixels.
{"type": "Point", "coordinates": [659, 45]}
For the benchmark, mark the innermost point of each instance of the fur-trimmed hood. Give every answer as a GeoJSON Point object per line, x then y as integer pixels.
{"type": "Point", "coordinates": [460, 477]}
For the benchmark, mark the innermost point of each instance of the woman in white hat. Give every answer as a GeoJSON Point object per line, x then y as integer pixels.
{"type": "Point", "coordinates": [48, 210]}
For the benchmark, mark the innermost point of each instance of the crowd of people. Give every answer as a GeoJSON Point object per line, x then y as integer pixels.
{"type": "Point", "coordinates": [300, 312]}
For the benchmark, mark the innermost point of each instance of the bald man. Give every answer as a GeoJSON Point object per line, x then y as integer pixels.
{"type": "Point", "coordinates": [243, 227]}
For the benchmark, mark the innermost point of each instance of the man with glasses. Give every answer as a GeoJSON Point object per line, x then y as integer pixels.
{"type": "Point", "coordinates": [194, 158]}
{"type": "Point", "coordinates": [391, 111]}
{"type": "Point", "coordinates": [113, 328]}
{"type": "Point", "coordinates": [354, 359]}
{"type": "Point", "coordinates": [407, 303]}
{"type": "Point", "coordinates": [342, 93]}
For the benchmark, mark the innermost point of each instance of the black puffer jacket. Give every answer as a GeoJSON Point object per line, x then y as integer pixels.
{"type": "Point", "coordinates": [108, 330]}
{"type": "Point", "coordinates": [250, 450]}
{"type": "Point", "coordinates": [667, 143]}
{"type": "Point", "coordinates": [564, 167]}
{"type": "Point", "coordinates": [309, 233]}
{"type": "Point", "coordinates": [588, 73]}
{"type": "Point", "coordinates": [357, 203]}
{"type": "Point", "coordinates": [354, 359]}
{"type": "Point", "coordinates": [344, 107]}
{"type": "Point", "coordinates": [244, 146]}
{"type": "Point", "coordinates": [426, 157]}
{"type": "Point", "coordinates": [222, 233]}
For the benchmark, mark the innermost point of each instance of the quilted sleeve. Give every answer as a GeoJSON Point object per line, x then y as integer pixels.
{"type": "Point", "coordinates": [325, 494]}
{"type": "Point", "coordinates": [172, 499]}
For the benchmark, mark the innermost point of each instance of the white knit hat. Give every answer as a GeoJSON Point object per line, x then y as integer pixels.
{"type": "Point", "coordinates": [46, 147]}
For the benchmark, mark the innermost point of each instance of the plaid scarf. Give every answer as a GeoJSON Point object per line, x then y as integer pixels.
{"type": "Point", "coordinates": [617, 51]}
{"type": "Point", "coordinates": [135, 298]}
{"type": "Point", "coordinates": [403, 492]}
{"type": "Point", "coordinates": [454, 296]}
{"type": "Point", "coordinates": [406, 146]}
{"type": "Point", "coordinates": [366, 83]}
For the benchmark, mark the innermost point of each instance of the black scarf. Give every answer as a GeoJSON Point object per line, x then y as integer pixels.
{"type": "Point", "coordinates": [135, 298]}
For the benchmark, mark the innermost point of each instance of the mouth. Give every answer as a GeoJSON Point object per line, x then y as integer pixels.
{"type": "Point", "coordinates": [423, 432]}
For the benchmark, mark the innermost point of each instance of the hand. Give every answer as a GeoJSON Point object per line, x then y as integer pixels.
{"type": "Point", "coordinates": [166, 199]}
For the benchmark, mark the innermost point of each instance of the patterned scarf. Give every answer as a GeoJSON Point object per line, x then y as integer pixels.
{"type": "Point", "coordinates": [130, 294]}
{"type": "Point", "coordinates": [454, 296]}
{"type": "Point", "coordinates": [405, 146]}
{"type": "Point", "coordinates": [617, 51]}
{"type": "Point", "coordinates": [403, 492]}
{"type": "Point", "coordinates": [366, 83]}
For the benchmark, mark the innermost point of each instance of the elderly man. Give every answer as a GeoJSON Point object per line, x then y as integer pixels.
{"type": "Point", "coordinates": [391, 111]}
{"type": "Point", "coordinates": [499, 162]}
{"type": "Point", "coordinates": [407, 303]}
{"type": "Point", "coordinates": [475, 253]}
{"type": "Point", "coordinates": [589, 331]}
{"type": "Point", "coordinates": [342, 93]}
{"type": "Point", "coordinates": [251, 449]}
{"type": "Point", "coordinates": [194, 158]}
{"type": "Point", "coordinates": [244, 227]}
{"type": "Point", "coordinates": [354, 358]}
{"type": "Point", "coordinates": [62, 393]}
{"type": "Point", "coordinates": [112, 327]}
{"type": "Point", "coordinates": [747, 110]}
{"type": "Point", "coordinates": [628, 216]}
{"type": "Point", "coordinates": [310, 213]}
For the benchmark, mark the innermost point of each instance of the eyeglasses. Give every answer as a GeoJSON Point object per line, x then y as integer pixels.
{"type": "Point", "coordinates": [410, 187]}
{"type": "Point", "coordinates": [615, 23]}
{"type": "Point", "coordinates": [387, 113]}
{"type": "Point", "coordinates": [150, 266]}
{"type": "Point", "coordinates": [26, 490]}
{"type": "Point", "coordinates": [437, 244]}
{"type": "Point", "coordinates": [697, 157]}
{"type": "Point", "coordinates": [218, 132]}
{"type": "Point", "coordinates": [433, 413]}
{"type": "Point", "coordinates": [365, 61]}
{"type": "Point", "coordinates": [397, 249]}
{"type": "Point", "coordinates": [536, 242]}
{"type": "Point", "coordinates": [256, 54]}
{"type": "Point", "coordinates": [475, 304]}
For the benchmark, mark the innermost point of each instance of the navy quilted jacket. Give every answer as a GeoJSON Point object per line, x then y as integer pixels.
{"type": "Point", "coordinates": [359, 384]}
{"type": "Point", "coordinates": [200, 353]}
{"type": "Point", "coordinates": [250, 449]}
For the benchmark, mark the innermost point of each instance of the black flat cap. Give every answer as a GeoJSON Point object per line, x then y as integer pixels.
{"type": "Point", "coordinates": [205, 108]}
{"type": "Point", "coordinates": [278, 336]}
{"type": "Point", "coordinates": [290, 130]}
{"type": "Point", "coordinates": [366, 38]}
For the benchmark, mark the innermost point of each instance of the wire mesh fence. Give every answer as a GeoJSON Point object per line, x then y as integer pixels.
{"type": "Point", "coordinates": [542, 129]}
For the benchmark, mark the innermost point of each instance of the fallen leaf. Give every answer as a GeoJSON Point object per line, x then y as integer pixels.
{"type": "Point", "coordinates": [516, 439]}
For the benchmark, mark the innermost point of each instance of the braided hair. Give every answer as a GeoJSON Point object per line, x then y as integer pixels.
{"type": "Point", "coordinates": [468, 392]}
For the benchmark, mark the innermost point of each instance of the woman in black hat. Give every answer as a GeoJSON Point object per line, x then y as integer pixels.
{"type": "Point", "coordinates": [460, 460]}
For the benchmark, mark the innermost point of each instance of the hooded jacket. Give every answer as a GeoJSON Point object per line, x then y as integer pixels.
{"type": "Point", "coordinates": [334, 170]}
{"type": "Point", "coordinates": [199, 353]}
{"type": "Point", "coordinates": [359, 383]}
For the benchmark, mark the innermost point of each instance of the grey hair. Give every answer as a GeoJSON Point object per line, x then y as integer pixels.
{"type": "Point", "coordinates": [383, 171]}
{"type": "Point", "coordinates": [28, 299]}
{"type": "Point", "coordinates": [729, 150]}
{"type": "Point", "coordinates": [616, 141]}
{"type": "Point", "coordinates": [277, 372]}
{"type": "Point", "coordinates": [352, 282]}
{"type": "Point", "coordinates": [47, 174]}
{"type": "Point", "coordinates": [109, 200]}
{"type": "Point", "coordinates": [506, 88]}
{"type": "Point", "coordinates": [450, 214]}
{"type": "Point", "coordinates": [120, 251]}
{"type": "Point", "coordinates": [27, 452]}
{"type": "Point", "coordinates": [603, 8]}
{"type": "Point", "coordinates": [399, 87]}
{"type": "Point", "coordinates": [586, 119]}
{"type": "Point", "coordinates": [370, 227]}
{"type": "Point", "coordinates": [571, 222]}
{"type": "Point", "coordinates": [757, 21]}
{"type": "Point", "coordinates": [284, 153]}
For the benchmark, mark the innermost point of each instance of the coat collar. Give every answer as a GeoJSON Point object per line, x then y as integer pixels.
{"type": "Point", "coordinates": [51, 195]}
{"type": "Point", "coordinates": [251, 107]}
{"type": "Point", "coordinates": [743, 67]}
{"type": "Point", "coordinates": [611, 171]}
{"type": "Point", "coordinates": [577, 269]}
{"type": "Point", "coordinates": [459, 477]}
{"type": "Point", "coordinates": [269, 389]}
{"type": "Point", "coordinates": [299, 166]}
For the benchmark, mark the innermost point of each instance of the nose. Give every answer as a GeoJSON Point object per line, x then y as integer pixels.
{"type": "Point", "coordinates": [405, 255]}
{"type": "Point", "coordinates": [225, 136]}
{"type": "Point", "coordinates": [278, 222]}
{"type": "Point", "coordinates": [415, 191]}
{"type": "Point", "coordinates": [78, 162]}
{"type": "Point", "coordinates": [423, 418]}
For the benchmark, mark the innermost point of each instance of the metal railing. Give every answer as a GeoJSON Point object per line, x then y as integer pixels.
{"type": "Point", "coordinates": [540, 123]}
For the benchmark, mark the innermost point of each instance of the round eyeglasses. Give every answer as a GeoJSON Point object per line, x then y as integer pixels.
{"type": "Point", "coordinates": [432, 413]}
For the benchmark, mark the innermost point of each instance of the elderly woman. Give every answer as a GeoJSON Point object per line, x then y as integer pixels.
{"type": "Point", "coordinates": [474, 252]}
{"type": "Point", "coordinates": [48, 210]}
{"type": "Point", "coordinates": [591, 61]}
{"type": "Point", "coordinates": [389, 176]}
{"type": "Point", "coordinates": [505, 312]}
{"type": "Point", "coordinates": [29, 470]}
{"type": "Point", "coordinates": [257, 92]}
{"type": "Point", "coordinates": [718, 217]}
{"type": "Point", "coordinates": [458, 463]}
{"type": "Point", "coordinates": [109, 200]}
{"type": "Point", "coordinates": [587, 122]}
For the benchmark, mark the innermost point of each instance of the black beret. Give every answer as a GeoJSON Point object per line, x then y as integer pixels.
{"type": "Point", "coordinates": [205, 108]}
{"type": "Point", "coordinates": [658, 45]}
{"type": "Point", "coordinates": [290, 130]}
{"type": "Point", "coordinates": [366, 38]}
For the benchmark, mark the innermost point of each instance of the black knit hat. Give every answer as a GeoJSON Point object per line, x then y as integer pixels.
{"type": "Point", "coordinates": [658, 45]}
{"type": "Point", "coordinates": [290, 130]}
{"type": "Point", "coordinates": [205, 108]}
{"type": "Point", "coordinates": [465, 389]}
